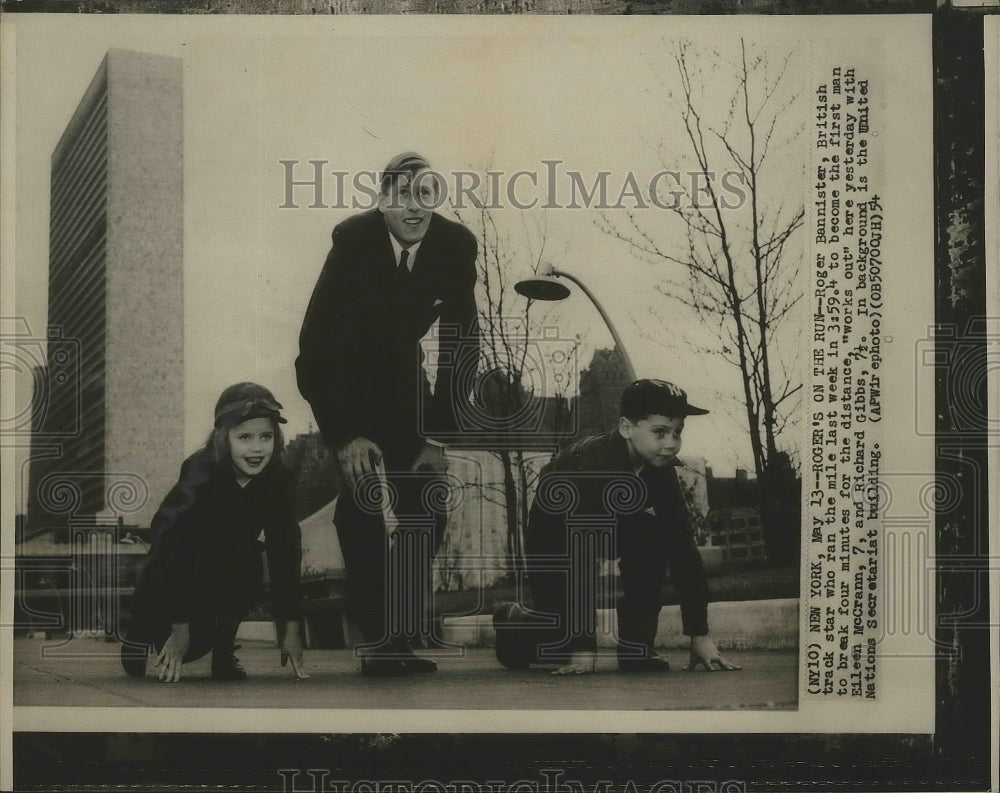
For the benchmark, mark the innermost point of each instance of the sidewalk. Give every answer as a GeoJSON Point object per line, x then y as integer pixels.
{"type": "Point", "coordinates": [85, 672]}
{"type": "Point", "coordinates": [740, 625]}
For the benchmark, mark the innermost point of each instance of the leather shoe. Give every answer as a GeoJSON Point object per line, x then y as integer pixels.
{"type": "Point", "coordinates": [414, 663]}
{"type": "Point", "coordinates": [402, 650]}
{"type": "Point", "coordinates": [374, 666]}
{"type": "Point", "coordinates": [513, 645]}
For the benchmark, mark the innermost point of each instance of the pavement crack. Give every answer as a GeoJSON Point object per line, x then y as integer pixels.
{"type": "Point", "coordinates": [90, 686]}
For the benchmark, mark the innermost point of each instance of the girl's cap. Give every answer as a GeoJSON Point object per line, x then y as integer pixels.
{"type": "Point", "coordinates": [245, 401]}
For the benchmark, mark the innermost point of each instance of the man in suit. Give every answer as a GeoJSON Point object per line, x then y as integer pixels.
{"type": "Point", "coordinates": [391, 273]}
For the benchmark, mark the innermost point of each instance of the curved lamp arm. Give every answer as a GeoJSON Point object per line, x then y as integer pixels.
{"type": "Point", "coordinates": [619, 344]}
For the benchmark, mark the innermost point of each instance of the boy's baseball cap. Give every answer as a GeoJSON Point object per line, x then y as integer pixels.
{"type": "Point", "coordinates": [657, 397]}
{"type": "Point", "coordinates": [244, 401]}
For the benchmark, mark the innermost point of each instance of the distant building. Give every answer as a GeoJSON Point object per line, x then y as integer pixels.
{"type": "Point", "coordinates": [601, 386]}
{"type": "Point", "coordinates": [734, 517]}
{"type": "Point", "coordinates": [313, 464]}
{"type": "Point", "coordinates": [108, 442]}
{"type": "Point", "coordinates": [738, 492]}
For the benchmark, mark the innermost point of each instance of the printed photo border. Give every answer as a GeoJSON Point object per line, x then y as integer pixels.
{"type": "Point", "coordinates": [957, 756]}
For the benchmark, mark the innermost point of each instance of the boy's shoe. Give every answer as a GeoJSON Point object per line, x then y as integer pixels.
{"type": "Point", "coordinates": [636, 639]}
{"type": "Point", "coordinates": [514, 646]}
{"type": "Point", "coordinates": [651, 663]}
{"type": "Point", "coordinates": [134, 656]}
{"type": "Point", "coordinates": [226, 666]}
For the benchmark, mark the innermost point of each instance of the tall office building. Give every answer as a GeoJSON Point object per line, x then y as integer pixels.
{"type": "Point", "coordinates": [116, 313]}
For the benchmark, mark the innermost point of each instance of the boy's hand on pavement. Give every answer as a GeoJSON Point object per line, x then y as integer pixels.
{"type": "Point", "coordinates": [705, 653]}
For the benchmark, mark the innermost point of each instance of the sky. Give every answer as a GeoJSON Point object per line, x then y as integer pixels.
{"type": "Point", "coordinates": [470, 94]}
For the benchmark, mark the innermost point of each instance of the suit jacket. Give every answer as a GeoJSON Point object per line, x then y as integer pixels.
{"type": "Point", "coordinates": [593, 479]}
{"type": "Point", "coordinates": [360, 361]}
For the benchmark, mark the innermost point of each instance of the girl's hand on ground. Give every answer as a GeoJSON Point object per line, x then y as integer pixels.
{"type": "Point", "coordinates": [171, 657]}
{"type": "Point", "coordinates": [290, 642]}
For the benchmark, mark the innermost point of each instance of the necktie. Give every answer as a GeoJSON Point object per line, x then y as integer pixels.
{"type": "Point", "coordinates": [403, 276]}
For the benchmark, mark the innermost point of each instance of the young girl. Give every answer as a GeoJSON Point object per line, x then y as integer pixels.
{"type": "Point", "coordinates": [204, 570]}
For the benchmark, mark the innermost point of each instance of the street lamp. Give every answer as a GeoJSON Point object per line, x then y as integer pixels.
{"type": "Point", "coordinates": [544, 285]}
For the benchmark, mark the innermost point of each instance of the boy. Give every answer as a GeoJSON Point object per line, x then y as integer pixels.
{"type": "Point", "coordinates": [617, 492]}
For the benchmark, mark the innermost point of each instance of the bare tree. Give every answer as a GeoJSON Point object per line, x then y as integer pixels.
{"type": "Point", "coordinates": [736, 268]}
{"type": "Point", "coordinates": [520, 376]}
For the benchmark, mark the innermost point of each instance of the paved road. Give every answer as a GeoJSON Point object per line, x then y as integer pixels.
{"type": "Point", "coordinates": [86, 673]}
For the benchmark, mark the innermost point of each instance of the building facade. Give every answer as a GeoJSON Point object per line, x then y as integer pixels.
{"type": "Point", "coordinates": [116, 302]}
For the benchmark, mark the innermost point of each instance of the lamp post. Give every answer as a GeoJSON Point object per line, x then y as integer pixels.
{"type": "Point", "coordinates": [544, 285]}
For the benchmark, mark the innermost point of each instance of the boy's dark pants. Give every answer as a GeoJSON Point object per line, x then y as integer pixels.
{"type": "Point", "coordinates": [389, 579]}
{"type": "Point", "coordinates": [643, 555]}
{"type": "Point", "coordinates": [570, 596]}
